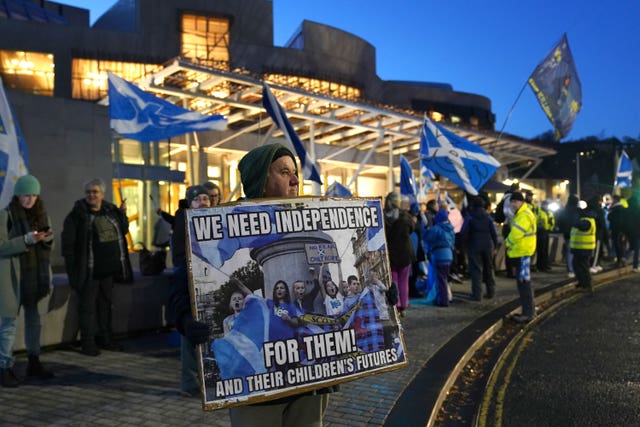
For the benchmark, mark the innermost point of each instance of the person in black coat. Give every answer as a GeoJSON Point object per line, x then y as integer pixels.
{"type": "Point", "coordinates": [480, 238]}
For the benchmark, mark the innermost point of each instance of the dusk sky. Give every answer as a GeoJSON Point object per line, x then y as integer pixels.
{"type": "Point", "coordinates": [490, 48]}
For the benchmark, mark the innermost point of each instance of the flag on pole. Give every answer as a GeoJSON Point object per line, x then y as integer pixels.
{"type": "Point", "coordinates": [463, 162]}
{"type": "Point", "coordinates": [310, 170]}
{"type": "Point", "coordinates": [624, 171]}
{"type": "Point", "coordinates": [557, 86]}
{"type": "Point", "coordinates": [144, 117]}
{"type": "Point", "coordinates": [338, 190]}
{"type": "Point", "coordinates": [13, 150]}
{"type": "Point", "coordinates": [407, 180]}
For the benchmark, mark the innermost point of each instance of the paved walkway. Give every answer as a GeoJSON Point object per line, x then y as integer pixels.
{"type": "Point", "coordinates": [139, 386]}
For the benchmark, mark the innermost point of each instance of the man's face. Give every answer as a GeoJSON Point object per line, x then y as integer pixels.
{"type": "Point", "coordinates": [298, 290]}
{"type": "Point", "coordinates": [94, 197]}
{"type": "Point", "coordinates": [515, 205]}
{"type": "Point", "coordinates": [282, 178]}
{"type": "Point", "coordinates": [200, 201]}
{"type": "Point", "coordinates": [354, 287]}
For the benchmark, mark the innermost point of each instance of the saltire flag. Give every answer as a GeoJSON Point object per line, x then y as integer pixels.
{"type": "Point", "coordinates": [338, 190]}
{"type": "Point", "coordinates": [310, 170]}
{"type": "Point", "coordinates": [142, 116]}
{"type": "Point", "coordinates": [407, 180]}
{"type": "Point", "coordinates": [556, 84]}
{"type": "Point", "coordinates": [463, 162]}
{"type": "Point", "coordinates": [13, 150]}
{"type": "Point", "coordinates": [624, 171]}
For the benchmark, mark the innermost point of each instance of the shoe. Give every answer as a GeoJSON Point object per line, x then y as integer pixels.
{"type": "Point", "coordinates": [90, 350]}
{"type": "Point", "coordinates": [8, 378]}
{"type": "Point", "coordinates": [488, 295]}
{"type": "Point", "coordinates": [571, 275]}
{"type": "Point", "coordinates": [476, 298]}
{"type": "Point", "coordinates": [519, 318]}
{"type": "Point", "coordinates": [35, 369]}
{"type": "Point", "coordinates": [636, 270]}
{"type": "Point", "coordinates": [593, 270]}
{"type": "Point", "coordinates": [455, 278]}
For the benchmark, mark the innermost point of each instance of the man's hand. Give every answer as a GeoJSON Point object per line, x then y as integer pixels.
{"type": "Point", "coordinates": [196, 332]}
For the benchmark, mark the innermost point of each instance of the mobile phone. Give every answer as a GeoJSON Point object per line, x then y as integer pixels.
{"type": "Point", "coordinates": [44, 229]}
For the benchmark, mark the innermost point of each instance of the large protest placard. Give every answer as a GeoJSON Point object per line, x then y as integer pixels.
{"type": "Point", "coordinates": [294, 292]}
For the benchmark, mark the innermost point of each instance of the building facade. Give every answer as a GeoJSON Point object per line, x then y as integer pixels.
{"type": "Point", "coordinates": [207, 55]}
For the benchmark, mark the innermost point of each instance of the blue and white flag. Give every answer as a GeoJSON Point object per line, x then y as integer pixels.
{"type": "Point", "coordinates": [463, 162]}
{"type": "Point", "coordinates": [624, 171]}
{"type": "Point", "coordinates": [144, 117]}
{"type": "Point", "coordinates": [407, 180]}
{"type": "Point", "coordinates": [338, 190]}
{"type": "Point", "coordinates": [310, 170]}
{"type": "Point", "coordinates": [13, 151]}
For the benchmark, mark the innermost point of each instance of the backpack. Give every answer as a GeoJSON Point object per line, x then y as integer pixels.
{"type": "Point", "coordinates": [152, 263]}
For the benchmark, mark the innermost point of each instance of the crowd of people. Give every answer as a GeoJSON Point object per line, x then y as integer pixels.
{"type": "Point", "coordinates": [517, 230]}
{"type": "Point", "coordinates": [95, 252]}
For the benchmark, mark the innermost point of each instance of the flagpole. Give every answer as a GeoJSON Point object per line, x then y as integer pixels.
{"type": "Point", "coordinates": [578, 173]}
{"type": "Point", "coordinates": [513, 107]}
{"type": "Point", "coordinates": [312, 153]}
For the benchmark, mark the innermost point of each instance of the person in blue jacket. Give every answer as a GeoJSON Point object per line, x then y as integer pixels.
{"type": "Point", "coordinates": [441, 241]}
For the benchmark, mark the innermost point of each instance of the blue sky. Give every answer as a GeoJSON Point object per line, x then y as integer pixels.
{"type": "Point", "coordinates": [490, 48]}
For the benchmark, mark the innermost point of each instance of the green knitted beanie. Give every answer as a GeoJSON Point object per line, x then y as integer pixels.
{"type": "Point", "coordinates": [254, 167]}
{"type": "Point", "coordinates": [26, 185]}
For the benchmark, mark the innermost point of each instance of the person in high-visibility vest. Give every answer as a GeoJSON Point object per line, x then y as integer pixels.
{"type": "Point", "coordinates": [546, 224]}
{"type": "Point", "coordinates": [521, 245]}
{"type": "Point", "coordinates": [582, 242]}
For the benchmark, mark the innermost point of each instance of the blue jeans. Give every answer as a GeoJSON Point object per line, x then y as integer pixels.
{"type": "Point", "coordinates": [568, 256]}
{"type": "Point", "coordinates": [32, 327]}
{"type": "Point", "coordinates": [635, 247]}
{"type": "Point", "coordinates": [7, 337]}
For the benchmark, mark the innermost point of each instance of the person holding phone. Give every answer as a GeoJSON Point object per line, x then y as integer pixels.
{"type": "Point", "coordinates": [25, 275]}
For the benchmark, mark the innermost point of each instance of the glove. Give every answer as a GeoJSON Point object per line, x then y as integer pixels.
{"type": "Point", "coordinates": [196, 332]}
{"type": "Point", "coordinates": [392, 294]}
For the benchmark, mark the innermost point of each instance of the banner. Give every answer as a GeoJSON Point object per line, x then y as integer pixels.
{"type": "Point", "coordinates": [557, 86]}
{"type": "Point", "coordinates": [13, 150]}
{"type": "Point", "coordinates": [299, 304]}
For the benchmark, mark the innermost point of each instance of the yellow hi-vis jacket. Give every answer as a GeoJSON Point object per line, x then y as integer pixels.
{"type": "Point", "coordinates": [521, 240]}
{"type": "Point", "coordinates": [585, 240]}
{"type": "Point", "coordinates": [546, 220]}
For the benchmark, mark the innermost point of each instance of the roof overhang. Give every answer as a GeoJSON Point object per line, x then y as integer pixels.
{"type": "Point", "coordinates": [339, 130]}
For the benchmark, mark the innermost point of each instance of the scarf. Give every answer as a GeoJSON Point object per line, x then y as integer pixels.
{"type": "Point", "coordinates": [35, 277]}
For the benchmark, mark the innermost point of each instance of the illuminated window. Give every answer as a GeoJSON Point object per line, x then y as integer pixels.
{"type": "Point", "coordinates": [27, 71]}
{"type": "Point", "coordinates": [317, 86]}
{"type": "Point", "coordinates": [205, 39]}
{"type": "Point", "coordinates": [436, 116]}
{"type": "Point", "coordinates": [89, 76]}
